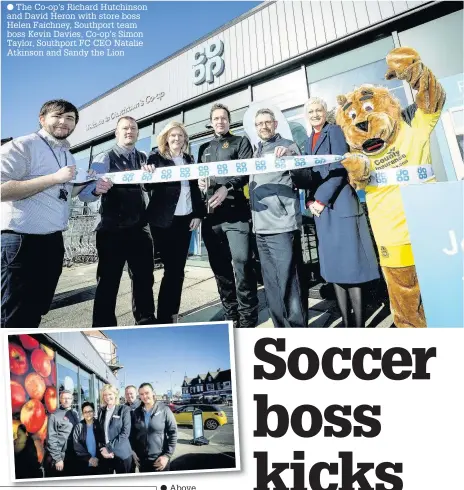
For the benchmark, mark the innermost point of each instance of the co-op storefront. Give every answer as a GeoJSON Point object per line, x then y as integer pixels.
{"type": "Point", "coordinates": [283, 53]}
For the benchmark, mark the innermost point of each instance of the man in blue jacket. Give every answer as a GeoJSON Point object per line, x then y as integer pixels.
{"type": "Point", "coordinates": [276, 215]}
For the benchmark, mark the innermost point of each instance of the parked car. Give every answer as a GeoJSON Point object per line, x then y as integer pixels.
{"type": "Point", "coordinates": [212, 415]}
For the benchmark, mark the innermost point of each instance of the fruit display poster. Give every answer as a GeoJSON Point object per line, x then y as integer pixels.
{"type": "Point", "coordinates": [33, 397]}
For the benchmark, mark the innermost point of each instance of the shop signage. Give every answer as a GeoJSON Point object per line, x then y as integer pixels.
{"type": "Point", "coordinates": [208, 63]}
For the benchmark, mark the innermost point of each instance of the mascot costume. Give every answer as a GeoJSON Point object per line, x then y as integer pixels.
{"type": "Point", "coordinates": [382, 136]}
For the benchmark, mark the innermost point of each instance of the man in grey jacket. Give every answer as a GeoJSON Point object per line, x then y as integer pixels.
{"type": "Point", "coordinates": [153, 433]}
{"type": "Point", "coordinates": [276, 214]}
{"type": "Point", "coordinates": [58, 460]}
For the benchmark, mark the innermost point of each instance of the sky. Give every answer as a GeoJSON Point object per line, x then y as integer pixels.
{"type": "Point", "coordinates": [147, 353]}
{"type": "Point", "coordinates": [28, 82]}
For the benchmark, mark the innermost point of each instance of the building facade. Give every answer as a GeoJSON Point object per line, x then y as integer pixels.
{"type": "Point", "coordinates": [283, 53]}
{"type": "Point", "coordinates": [213, 383]}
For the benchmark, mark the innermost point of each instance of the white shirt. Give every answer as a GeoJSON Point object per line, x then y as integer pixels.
{"type": "Point", "coordinates": [184, 204]}
{"type": "Point", "coordinates": [109, 414]}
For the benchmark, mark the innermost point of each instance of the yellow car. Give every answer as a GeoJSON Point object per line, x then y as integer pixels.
{"type": "Point", "coordinates": [212, 415]}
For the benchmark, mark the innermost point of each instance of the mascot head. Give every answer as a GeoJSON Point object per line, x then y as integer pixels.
{"type": "Point", "coordinates": [369, 117]}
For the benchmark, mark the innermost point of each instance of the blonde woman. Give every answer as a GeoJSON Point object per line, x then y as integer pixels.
{"type": "Point", "coordinates": [116, 422]}
{"type": "Point", "coordinates": [175, 209]}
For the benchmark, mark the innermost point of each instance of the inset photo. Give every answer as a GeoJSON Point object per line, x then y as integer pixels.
{"type": "Point", "coordinates": [123, 401]}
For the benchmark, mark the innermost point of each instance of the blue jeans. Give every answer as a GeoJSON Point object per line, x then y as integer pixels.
{"type": "Point", "coordinates": [31, 267]}
{"type": "Point", "coordinates": [281, 264]}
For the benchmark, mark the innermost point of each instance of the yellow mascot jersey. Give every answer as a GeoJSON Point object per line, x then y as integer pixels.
{"type": "Point", "coordinates": [386, 213]}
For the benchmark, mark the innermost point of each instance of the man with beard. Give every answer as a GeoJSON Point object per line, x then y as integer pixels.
{"type": "Point", "coordinates": [276, 214]}
{"type": "Point", "coordinates": [122, 233]}
{"type": "Point", "coordinates": [36, 171]}
{"type": "Point", "coordinates": [59, 451]}
{"type": "Point", "coordinates": [226, 230]}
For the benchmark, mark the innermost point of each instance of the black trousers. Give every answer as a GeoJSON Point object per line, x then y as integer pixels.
{"type": "Point", "coordinates": [115, 465]}
{"type": "Point", "coordinates": [31, 267]}
{"type": "Point", "coordinates": [173, 245]}
{"type": "Point", "coordinates": [230, 257]}
{"type": "Point", "coordinates": [282, 267]}
{"type": "Point", "coordinates": [114, 248]}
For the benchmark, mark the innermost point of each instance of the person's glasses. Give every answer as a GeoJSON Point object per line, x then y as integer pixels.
{"type": "Point", "coordinates": [264, 123]}
{"type": "Point", "coordinates": [87, 412]}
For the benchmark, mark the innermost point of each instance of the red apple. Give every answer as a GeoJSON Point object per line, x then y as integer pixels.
{"type": "Point", "coordinates": [41, 363]}
{"type": "Point", "coordinates": [35, 386]}
{"type": "Point", "coordinates": [41, 434]}
{"type": "Point", "coordinates": [18, 359]}
{"type": "Point", "coordinates": [33, 415]}
{"type": "Point", "coordinates": [51, 399]}
{"type": "Point", "coordinates": [28, 342]}
{"type": "Point", "coordinates": [50, 352]}
{"type": "Point", "coordinates": [18, 396]}
{"type": "Point", "coordinates": [40, 450]}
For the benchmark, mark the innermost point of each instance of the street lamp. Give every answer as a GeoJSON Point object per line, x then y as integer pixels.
{"type": "Point", "coordinates": [170, 378]}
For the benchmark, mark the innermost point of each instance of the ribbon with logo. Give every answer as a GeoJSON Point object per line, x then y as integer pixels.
{"type": "Point", "coordinates": [253, 166]}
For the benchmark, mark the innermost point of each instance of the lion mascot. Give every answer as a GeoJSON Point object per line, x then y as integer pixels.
{"type": "Point", "coordinates": [382, 136]}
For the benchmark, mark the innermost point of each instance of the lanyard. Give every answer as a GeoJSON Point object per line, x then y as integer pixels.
{"type": "Point", "coordinates": [54, 154]}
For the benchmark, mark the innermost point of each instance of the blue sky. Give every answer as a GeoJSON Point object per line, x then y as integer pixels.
{"type": "Point", "coordinates": [28, 82]}
{"type": "Point", "coordinates": [147, 353]}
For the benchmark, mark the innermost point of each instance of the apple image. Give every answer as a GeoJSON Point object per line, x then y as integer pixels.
{"type": "Point", "coordinates": [16, 424]}
{"type": "Point", "coordinates": [51, 399]}
{"type": "Point", "coordinates": [18, 359]}
{"type": "Point", "coordinates": [28, 342]}
{"type": "Point", "coordinates": [40, 450]}
{"type": "Point", "coordinates": [33, 415]}
{"type": "Point", "coordinates": [41, 434]}
{"type": "Point", "coordinates": [50, 352]}
{"type": "Point", "coordinates": [18, 396]}
{"type": "Point", "coordinates": [35, 386]}
{"type": "Point", "coordinates": [41, 363]}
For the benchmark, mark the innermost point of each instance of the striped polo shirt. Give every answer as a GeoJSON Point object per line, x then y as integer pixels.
{"type": "Point", "coordinates": [25, 158]}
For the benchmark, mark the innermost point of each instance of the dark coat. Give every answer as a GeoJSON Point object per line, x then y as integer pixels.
{"type": "Point", "coordinates": [80, 440]}
{"type": "Point", "coordinates": [118, 431]}
{"type": "Point", "coordinates": [346, 252]}
{"type": "Point", "coordinates": [165, 195]}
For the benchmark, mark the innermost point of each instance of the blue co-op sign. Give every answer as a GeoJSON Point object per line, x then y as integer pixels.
{"type": "Point", "coordinates": [435, 214]}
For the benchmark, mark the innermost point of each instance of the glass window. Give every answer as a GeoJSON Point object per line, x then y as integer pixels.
{"type": "Point", "coordinates": [144, 145]}
{"type": "Point", "coordinates": [86, 387]}
{"type": "Point", "coordinates": [96, 393]}
{"type": "Point", "coordinates": [373, 73]}
{"type": "Point", "coordinates": [159, 125]}
{"type": "Point", "coordinates": [100, 148]}
{"type": "Point", "coordinates": [285, 91]}
{"type": "Point", "coordinates": [68, 379]}
{"type": "Point", "coordinates": [82, 160]}
{"type": "Point", "coordinates": [297, 123]}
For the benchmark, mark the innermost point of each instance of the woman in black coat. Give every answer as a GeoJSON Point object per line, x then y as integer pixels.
{"type": "Point", "coordinates": [88, 439]}
{"type": "Point", "coordinates": [346, 253]}
{"type": "Point", "coordinates": [175, 209]}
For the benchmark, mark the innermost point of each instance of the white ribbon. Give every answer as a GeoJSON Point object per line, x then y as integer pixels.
{"type": "Point", "coordinates": [406, 175]}
{"type": "Point", "coordinates": [230, 168]}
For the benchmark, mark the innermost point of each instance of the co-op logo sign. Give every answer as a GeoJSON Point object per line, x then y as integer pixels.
{"type": "Point", "coordinates": [208, 62]}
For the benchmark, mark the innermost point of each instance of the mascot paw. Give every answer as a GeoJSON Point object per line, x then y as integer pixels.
{"type": "Point", "coordinates": [358, 168]}
{"type": "Point", "coordinates": [399, 60]}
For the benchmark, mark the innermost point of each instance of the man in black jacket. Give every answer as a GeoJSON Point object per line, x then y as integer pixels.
{"type": "Point", "coordinates": [122, 233]}
{"type": "Point", "coordinates": [226, 230]}
{"type": "Point", "coordinates": [59, 451]}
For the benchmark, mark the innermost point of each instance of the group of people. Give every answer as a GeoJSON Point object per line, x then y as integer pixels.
{"type": "Point", "coordinates": [36, 171]}
{"type": "Point", "coordinates": [139, 435]}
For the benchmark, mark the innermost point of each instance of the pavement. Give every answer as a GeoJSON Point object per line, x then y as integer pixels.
{"type": "Point", "coordinates": [73, 301]}
{"type": "Point", "coordinates": [219, 453]}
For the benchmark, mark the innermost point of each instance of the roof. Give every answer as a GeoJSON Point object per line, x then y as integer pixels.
{"type": "Point", "coordinates": [263, 5]}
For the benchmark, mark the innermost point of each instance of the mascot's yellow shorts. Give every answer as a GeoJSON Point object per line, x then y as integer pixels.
{"type": "Point", "coordinates": [405, 298]}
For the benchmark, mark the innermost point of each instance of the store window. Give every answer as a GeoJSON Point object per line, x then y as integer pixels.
{"type": "Point", "coordinates": [85, 387]}
{"type": "Point", "coordinates": [67, 375]}
{"type": "Point", "coordinates": [96, 393]}
{"type": "Point", "coordinates": [144, 142]}
{"type": "Point", "coordinates": [82, 159]}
